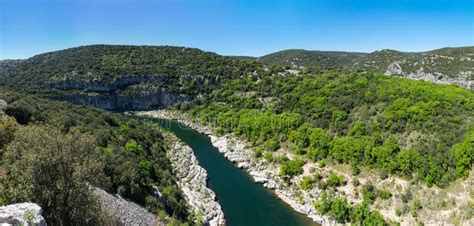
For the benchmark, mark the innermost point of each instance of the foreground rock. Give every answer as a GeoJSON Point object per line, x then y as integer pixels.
{"type": "Point", "coordinates": [22, 214]}
{"type": "Point", "coordinates": [263, 172]}
{"type": "Point", "coordinates": [192, 179]}
{"type": "Point", "coordinates": [3, 103]}
{"type": "Point", "coordinates": [125, 212]}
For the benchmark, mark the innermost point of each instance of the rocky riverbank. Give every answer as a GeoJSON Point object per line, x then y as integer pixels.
{"type": "Point", "coordinates": [192, 179]}
{"type": "Point", "coordinates": [262, 171]}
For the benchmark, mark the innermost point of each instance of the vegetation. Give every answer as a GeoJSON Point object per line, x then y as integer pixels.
{"type": "Point", "coordinates": [448, 61]}
{"type": "Point", "coordinates": [128, 71]}
{"type": "Point", "coordinates": [338, 208]}
{"type": "Point", "coordinates": [62, 149]}
{"type": "Point", "coordinates": [404, 127]}
{"type": "Point", "coordinates": [55, 170]}
{"type": "Point", "coordinates": [314, 60]}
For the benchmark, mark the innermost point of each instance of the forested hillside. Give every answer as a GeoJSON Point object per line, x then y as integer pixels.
{"type": "Point", "coordinates": [125, 77]}
{"type": "Point", "coordinates": [446, 65]}
{"type": "Point", "coordinates": [51, 152]}
{"type": "Point", "coordinates": [405, 127]}
{"type": "Point", "coordinates": [450, 62]}
{"type": "Point", "coordinates": [316, 60]}
{"type": "Point", "coordinates": [414, 130]}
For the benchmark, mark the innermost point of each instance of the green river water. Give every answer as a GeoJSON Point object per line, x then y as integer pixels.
{"type": "Point", "coordinates": [243, 201]}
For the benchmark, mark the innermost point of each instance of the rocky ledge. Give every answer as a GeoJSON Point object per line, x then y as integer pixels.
{"type": "Point", "coordinates": [22, 214]}
{"type": "Point", "coordinates": [262, 172]}
{"type": "Point", "coordinates": [192, 179]}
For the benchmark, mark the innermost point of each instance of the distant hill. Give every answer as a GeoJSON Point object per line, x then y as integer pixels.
{"type": "Point", "coordinates": [8, 64]}
{"type": "Point", "coordinates": [446, 65]}
{"type": "Point", "coordinates": [124, 77]}
{"type": "Point", "coordinates": [313, 59]}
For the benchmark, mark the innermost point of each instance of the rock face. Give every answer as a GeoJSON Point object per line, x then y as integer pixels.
{"type": "Point", "coordinates": [158, 98]}
{"type": "Point", "coordinates": [22, 214]}
{"type": "Point", "coordinates": [394, 69]}
{"type": "Point", "coordinates": [192, 180]}
{"type": "Point", "coordinates": [126, 212]}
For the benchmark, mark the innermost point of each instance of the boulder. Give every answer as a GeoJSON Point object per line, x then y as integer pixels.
{"type": "Point", "coordinates": [22, 214]}
{"type": "Point", "coordinates": [3, 103]}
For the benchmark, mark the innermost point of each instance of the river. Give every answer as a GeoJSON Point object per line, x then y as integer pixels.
{"type": "Point", "coordinates": [243, 201]}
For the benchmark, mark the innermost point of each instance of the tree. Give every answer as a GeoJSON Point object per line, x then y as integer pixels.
{"type": "Point", "coordinates": [56, 171]}
{"type": "Point", "coordinates": [7, 130]}
{"type": "Point", "coordinates": [335, 180]}
{"type": "Point", "coordinates": [340, 209]}
{"type": "Point", "coordinates": [324, 202]}
{"type": "Point", "coordinates": [291, 167]}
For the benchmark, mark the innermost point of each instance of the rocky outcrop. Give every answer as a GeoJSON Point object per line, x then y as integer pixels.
{"type": "Point", "coordinates": [22, 214]}
{"type": "Point", "coordinates": [192, 179]}
{"type": "Point", "coordinates": [263, 172]}
{"type": "Point", "coordinates": [438, 78]}
{"type": "Point", "coordinates": [158, 98]}
{"type": "Point", "coordinates": [102, 86]}
{"type": "Point", "coordinates": [125, 212]}
{"type": "Point", "coordinates": [3, 104]}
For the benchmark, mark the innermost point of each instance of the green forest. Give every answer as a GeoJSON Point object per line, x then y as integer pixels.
{"type": "Point", "coordinates": [51, 151]}
{"type": "Point", "coordinates": [413, 129]}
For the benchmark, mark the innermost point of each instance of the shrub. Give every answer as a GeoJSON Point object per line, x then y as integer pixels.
{"type": "Point", "coordinates": [336, 180]}
{"type": "Point", "coordinates": [292, 167]}
{"type": "Point", "coordinates": [384, 193]}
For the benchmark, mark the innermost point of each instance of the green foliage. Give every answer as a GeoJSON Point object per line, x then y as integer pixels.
{"type": "Point", "coordinates": [315, 60]}
{"type": "Point", "coordinates": [53, 170]}
{"type": "Point", "coordinates": [342, 212]}
{"type": "Point", "coordinates": [272, 144]}
{"type": "Point", "coordinates": [362, 215]}
{"type": "Point", "coordinates": [308, 181]}
{"type": "Point", "coordinates": [369, 192]}
{"type": "Point", "coordinates": [124, 71]}
{"type": "Point", "coordinates": [383, 193]}
{"type": "Point", "coordinates": [291, 167]}
{"type": "Point", "coordinates": [133, 147]}
{"type": "Point", "coordinates": [324, 202]}
{"type": "Point", "coordinates": [131, 173]}
{"type": "Point", "coordinates": [7, 130]}
{"type": "Point", "coordinates": [340, 209]}
{"type": "Point", "coordinates": [336, 180]}
{"type": "Point", "coordinates": [404, 127]}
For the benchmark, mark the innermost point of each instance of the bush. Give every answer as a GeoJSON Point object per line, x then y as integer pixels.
{"type": "Point", "coordinates": [336, 180]}
{"type": "Point", "coordinates": [257, 152]}
{"type": "Point", "coordinates": [324, 202]}
{"type": "Point", "coordinates": [55, 170]}
{"type": "Point", "coordinates": [340, 209]}
{"type": "Point", "coordinates": [384, 193]}
{"type": "Point", "coordinates": [291, 167]}
{"type": "Point", "coordinates": [132, 146]}
{"type": "Point", "coordinates": [307, 183]}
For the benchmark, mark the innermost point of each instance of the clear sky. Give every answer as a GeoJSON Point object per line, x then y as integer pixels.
{"type": "Point", "coordinates": [230, 27]}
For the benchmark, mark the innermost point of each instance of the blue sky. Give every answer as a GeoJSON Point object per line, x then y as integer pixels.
{"type": "Point", "coordinates": [246, 27]}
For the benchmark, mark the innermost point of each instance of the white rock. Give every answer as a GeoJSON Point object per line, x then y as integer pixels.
{"type": "Point", "coordinates": [22, 214]}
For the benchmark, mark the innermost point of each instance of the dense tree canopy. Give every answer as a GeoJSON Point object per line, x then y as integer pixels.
{"type": "Point", "coordinates": [406, 127]}
{"type": "Point", "coordinates": [73, 144]}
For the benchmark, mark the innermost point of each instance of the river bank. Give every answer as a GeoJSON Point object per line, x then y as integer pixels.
{"type": "Point", "coordinates": [261, 171]}
{"type": "Point", "coordinates": [192, 181]}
